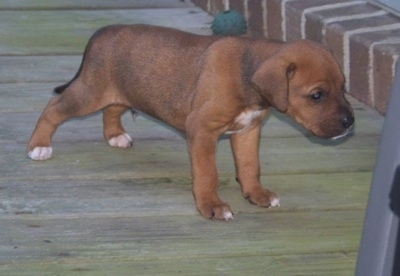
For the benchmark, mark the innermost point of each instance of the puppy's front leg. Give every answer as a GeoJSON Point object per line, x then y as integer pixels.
{"type": "Point", "coordinates": [202, 146]}
{"type": "Point", "coordinates": [245, 150]}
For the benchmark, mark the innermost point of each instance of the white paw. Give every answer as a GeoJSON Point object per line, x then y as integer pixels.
{"type": "Point", "coordinates": [275, 202]}
{"type": "Point", "coordinates": [40, 153]}
{"type": "Point", "coordinates": [121, 141]}
{"type": "Point", "coordinates": [228, 215]}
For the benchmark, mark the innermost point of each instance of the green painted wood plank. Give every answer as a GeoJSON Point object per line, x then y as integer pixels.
{"type": "Point", "coordinates": [327, 264]}
{"type": "Point", "coordinates": [19, 71]}
{"type": "Point", "coordinates": [153, 238]}
{"type": "Point", "coordinates": [165, 196]}
{"type": "Point", "coordinates": [67, 31]}
{"type": "Point", "coordinates": [169, 157]}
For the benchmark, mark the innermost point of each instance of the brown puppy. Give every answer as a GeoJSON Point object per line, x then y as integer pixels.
{"type": "Point", "coordinates": [204, 86]}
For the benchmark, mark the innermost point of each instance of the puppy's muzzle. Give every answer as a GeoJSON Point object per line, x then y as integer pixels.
{"type": "Point", "coordinates": [347, 121]}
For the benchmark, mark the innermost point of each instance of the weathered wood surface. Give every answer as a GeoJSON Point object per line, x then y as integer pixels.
{"type": "Point", "coordinates": [96, 210]}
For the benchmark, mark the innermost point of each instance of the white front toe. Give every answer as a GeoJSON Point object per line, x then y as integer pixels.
{"type": "Point", "coordinates": [40, 153]}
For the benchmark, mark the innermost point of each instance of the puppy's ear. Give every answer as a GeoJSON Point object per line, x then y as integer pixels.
{"type": "Point", "coordinates": [272, 81]}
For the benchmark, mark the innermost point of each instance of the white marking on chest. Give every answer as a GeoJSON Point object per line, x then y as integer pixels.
{"type": "Point", "coordinates": [243, 121]}
{"type": "Point", "coordinates": [246, 117]}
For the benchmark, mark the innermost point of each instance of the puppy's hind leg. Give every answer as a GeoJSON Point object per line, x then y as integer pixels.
{"type": "Point", "coordinates": [114, 132]}
{"type": "Point", "coordinates": [76, 99]}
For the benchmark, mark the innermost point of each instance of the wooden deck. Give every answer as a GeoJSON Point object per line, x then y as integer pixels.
{"type": "Point", "coordinates": [96, 210]}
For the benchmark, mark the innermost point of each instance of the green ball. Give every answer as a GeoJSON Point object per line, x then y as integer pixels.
{"type": "Point", "coordinates": [229, 23]}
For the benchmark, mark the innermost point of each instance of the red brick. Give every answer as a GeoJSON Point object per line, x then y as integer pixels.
{"type": "Point", "coordinates": [237, 5]}
{"type": "Point", "coordinates": [315, 25]}
{"type": "Point", "coordinates": [359, 78]}
{"type": "Point", "coordinates": [383, 73]}
{"type": "Point", "coordinates": [256, 18]}
{"type": "Point", "coordinates": [294, 12]}
{"type": "Point", "coordinates": [335, 32]}
{"type": "Point", "coordinates": [216, 6]}
{"type": "Point", "coordinates": [334, 41]}
{"type": "Point", "coordinates": [274, 20]}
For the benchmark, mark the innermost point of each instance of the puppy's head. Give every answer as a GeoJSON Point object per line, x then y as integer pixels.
{"type": "Point", "coordinates": [304, 81]}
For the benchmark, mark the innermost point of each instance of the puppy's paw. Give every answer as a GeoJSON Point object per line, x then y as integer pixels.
{"type": "Point", "coordinates": [121, 141]}
{"type": "Point", "coordinates": [40, 153]}
{"type": "Point", "coordinates": [263, 198]}
{"type": "Point", "coordinates": [220, 211]}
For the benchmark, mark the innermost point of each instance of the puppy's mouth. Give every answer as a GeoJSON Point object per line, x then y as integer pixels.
{"type": "Point", "coordinates": [327, 129]}
{"type": "Point", "coordinates": [331, 133]}
{"type": "Point", "coordinates": [343, 134]}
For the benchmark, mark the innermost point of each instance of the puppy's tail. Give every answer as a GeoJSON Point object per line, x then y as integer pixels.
{"type": "Point", "coordinates": [59, 89]}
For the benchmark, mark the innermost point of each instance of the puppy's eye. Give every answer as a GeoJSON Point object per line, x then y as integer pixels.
{"type": "Point", "coordinates": [316, 96]}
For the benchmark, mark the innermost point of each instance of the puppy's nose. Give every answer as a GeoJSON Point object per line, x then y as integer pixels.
{"type": "Point", "coordinates": [347, 120]}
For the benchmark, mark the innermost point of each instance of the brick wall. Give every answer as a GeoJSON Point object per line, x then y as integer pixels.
{"type": "Point", "coordinates": [364, 39]}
